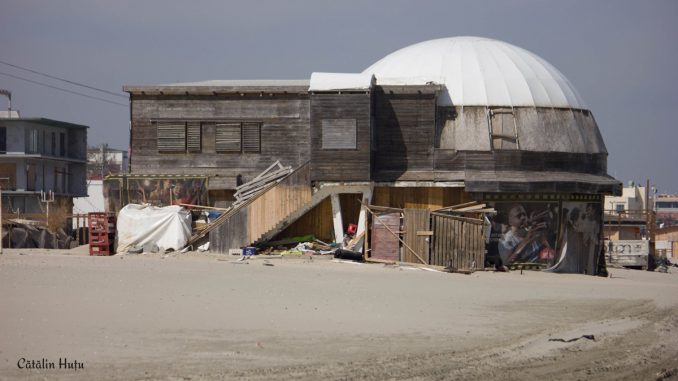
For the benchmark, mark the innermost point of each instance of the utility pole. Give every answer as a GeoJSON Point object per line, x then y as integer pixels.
{"type": "Point", "coordinates": [8, 94]}
{"type": "Point", "coordinates": [47, 198]}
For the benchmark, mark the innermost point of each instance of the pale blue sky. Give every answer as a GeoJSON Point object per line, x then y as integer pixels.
{"type": "Point", "coordinates": [620, 55]}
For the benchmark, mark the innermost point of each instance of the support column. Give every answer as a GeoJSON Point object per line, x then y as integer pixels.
{"type": "Point", "coordinates": [337, 220]}
{"type": "Point", "coordinates": [362, 217]}
{"type": "Point", "coordinates": [362, 245]}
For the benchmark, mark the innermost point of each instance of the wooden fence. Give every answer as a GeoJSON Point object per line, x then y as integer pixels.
{"type": "Point", "coordinates": [458, 242]}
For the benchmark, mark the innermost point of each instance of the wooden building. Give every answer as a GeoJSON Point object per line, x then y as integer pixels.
{"type": "Point", "coordinates": [435, 124]}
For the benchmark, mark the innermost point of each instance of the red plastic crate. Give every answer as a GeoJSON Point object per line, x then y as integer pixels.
{"type": "Point", "coordinates": [101, 233]}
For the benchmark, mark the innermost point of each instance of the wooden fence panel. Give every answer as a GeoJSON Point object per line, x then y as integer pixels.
{"type": "Point", "coordinates": [416, 226]}
{"type": "Point", "coordinates": [458, 242]}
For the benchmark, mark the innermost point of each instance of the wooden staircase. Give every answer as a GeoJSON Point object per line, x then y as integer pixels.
{"type": "Point", "coordinates": [268, 212]}
{"type": "Point", "coordinates": [317, 198]}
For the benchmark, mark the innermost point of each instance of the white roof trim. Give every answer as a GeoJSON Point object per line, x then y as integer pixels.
{"type": "Point", "coordinates": [340, 81]}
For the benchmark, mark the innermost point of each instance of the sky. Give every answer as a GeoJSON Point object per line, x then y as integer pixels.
{"type": "Point", "coordinates": [619, 55]}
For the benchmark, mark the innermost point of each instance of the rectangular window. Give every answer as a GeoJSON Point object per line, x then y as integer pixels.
{"type": "Point", "coordinates": [8, 175]}
{"type": "Point", "coordinates": [31, 176]}
{"type": "Point", "coordinates": [251, 137]}
{"type": "Point", "coordinates": [33, 141]}
{"type": "Point", "coordinates": [193, 137]}
{"type": "Point", "coordinates": [339, 134]}
{"type": "Point", "coordinates": [62, 144]}
{"type": "Point", "coordinates": [171, 136]}
{"type": "Point", "coordinates": [503, 127]}
{"type": "Point", "coordinates": [3, 139]}
{"type": "Point", "coordinates": [53, 145]}
{"type": "Point", "coordinates": [228, 137]}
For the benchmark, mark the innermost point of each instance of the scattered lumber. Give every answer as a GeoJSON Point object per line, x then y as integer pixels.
{"type": "Point", "coordinates": [273, 173]}
{"type": "Point", "coordinates": [472, 207]}
{"type": "Point", "coordinates": [203, 207]}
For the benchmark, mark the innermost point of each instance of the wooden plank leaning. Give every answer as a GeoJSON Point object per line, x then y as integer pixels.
{"type": "Point", "coordinates": [264, 179]}
{"type": "Point", "coordinates": [247, 187]}
{"type": "Point", "coordinates": [204, 207]}
{"type": "Point", "coordinates": [277, 162]}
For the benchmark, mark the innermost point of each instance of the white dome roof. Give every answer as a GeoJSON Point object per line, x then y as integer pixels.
{"type": "Point", "coordinates": [478, 72]}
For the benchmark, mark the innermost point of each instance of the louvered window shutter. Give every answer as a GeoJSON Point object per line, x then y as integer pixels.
{"type": "Point", "coordinates": [227, 137]}
{"type": "Point", "coordinates": [339, 134]}
{"type": "Point", "coordinates": [171, 137]}
{"type": "Point", "coordinates": [251, 137]}
{"type": "Point", "coordinates": [193, 137]}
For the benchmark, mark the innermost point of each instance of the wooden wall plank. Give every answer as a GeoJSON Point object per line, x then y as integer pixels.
{"type": "Point", "coordinates": [415, 220]}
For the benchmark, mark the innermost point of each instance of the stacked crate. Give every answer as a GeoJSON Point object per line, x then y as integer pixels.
{"type": "Point", "coordinates": [101, 233]}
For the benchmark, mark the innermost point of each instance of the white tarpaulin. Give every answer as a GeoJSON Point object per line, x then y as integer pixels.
{"type": "Point", "coordinates": [168, 227]}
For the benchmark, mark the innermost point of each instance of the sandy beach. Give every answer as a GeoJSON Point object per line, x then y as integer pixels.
{"type": "Point", "coordinates": [199, 316]}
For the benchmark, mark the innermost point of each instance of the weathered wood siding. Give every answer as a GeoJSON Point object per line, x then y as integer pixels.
{"type": "Point", "coordinates": [457, 242]}
{"type": "Point", "coordinates": [410, 197]}
{"type": "Point", "coordinates": [341, 164]}
{"type": "Point", "coordinates": [404, 134]}
{"type": "Point", "coordinates": [538, 129]}
{"type": "Point", "coordinates": [416, 222]}
{"type": "Point", "coordinates": [263, 212]}
{"type": "Point", "coordinates": [284, 134]}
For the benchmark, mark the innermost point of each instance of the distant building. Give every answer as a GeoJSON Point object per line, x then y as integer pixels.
{"type": "Point", "coordinates": [667, 242]}
{"type": "Point", "coordinates": [101, 162]}
{"type": "Point", "coordinates": [41, 155]}
{"type": "Point", "coordinates": [667, 210]}
{"type": "Point", "coordinates": [104, 161]}
{"type": "Point", "coordinates": [626, 215]}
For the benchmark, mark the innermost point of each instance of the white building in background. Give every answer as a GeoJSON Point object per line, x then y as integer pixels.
{"type": "Point", "coordinates": [101, 162]}
{"type": "Point", "coordinates": [625, 216]}
{"type": "Point", "coordinates": [633, 198]}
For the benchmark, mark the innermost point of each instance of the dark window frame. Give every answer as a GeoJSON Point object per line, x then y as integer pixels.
{"type": "Point", "coordinates": [62, 144]}
{"type": "Point", "coordinates": [3, 139]}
